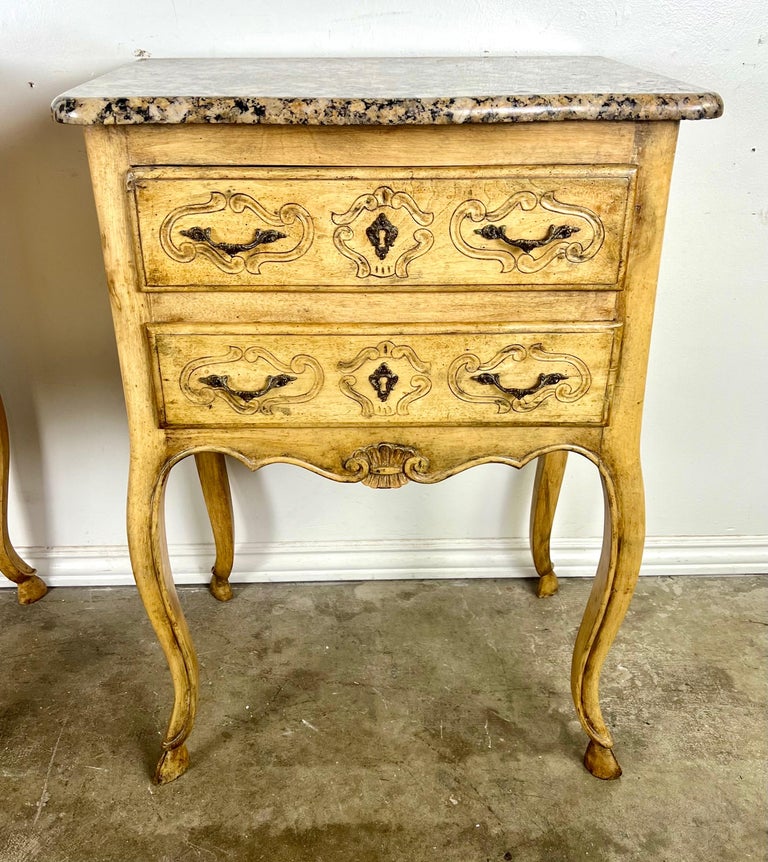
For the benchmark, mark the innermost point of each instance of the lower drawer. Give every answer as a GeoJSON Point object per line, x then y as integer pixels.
{"type": "Point", "coordinates": [215, 375]}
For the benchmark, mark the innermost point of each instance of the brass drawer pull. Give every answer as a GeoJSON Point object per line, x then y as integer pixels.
{"type": "Point", "coordinates": [260, 237]}
{"type": "Point", "coordinates": [488, 379]}
{"type": "Point", "coordinates": [555, 232]}
{"type": "Point", "coordinates": [220, 381]}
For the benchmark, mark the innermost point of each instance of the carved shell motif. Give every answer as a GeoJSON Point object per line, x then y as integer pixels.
{"type": "Point", "coordinates": [387, 465]}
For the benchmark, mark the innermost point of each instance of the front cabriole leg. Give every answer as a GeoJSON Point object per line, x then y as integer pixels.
{"type": "Point", "coordinates": [149, 558]}
{"type": "Point", "coordinates": [623, 538]}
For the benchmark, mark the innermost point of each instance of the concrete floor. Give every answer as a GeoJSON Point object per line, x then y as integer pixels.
{"type": "Point", "coordinates": [401, 721]}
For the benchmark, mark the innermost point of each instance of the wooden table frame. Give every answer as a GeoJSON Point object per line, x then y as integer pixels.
{"type": "Point", "coordinates": [612, 447]}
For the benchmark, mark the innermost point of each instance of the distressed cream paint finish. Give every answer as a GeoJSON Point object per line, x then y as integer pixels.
{"type": "Point", "coordinates": [377, 399]}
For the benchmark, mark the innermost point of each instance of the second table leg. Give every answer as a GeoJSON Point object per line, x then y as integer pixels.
{"type": "Point", "coordinates": [212, 469]}
{"type": "Point", "coordinates": [550, 469]}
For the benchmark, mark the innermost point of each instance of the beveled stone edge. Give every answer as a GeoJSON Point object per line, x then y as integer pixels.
{"type": "Point", "coordinates": [386, 112]}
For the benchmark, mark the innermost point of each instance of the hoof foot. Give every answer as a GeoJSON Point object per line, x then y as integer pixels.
{"type": "Point", "coordinates": [220, 588]}
{"type": "Point", "coordinates": [171, 765]}
{"type": "Point", "coordinates": [601, 762]}
{"type": "Point", "coordinates": [30, 590]}
{"type": "Point", "coordinates": [547, 585]}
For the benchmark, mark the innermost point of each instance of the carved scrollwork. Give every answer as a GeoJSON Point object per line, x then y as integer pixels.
{"type": "Point", "coordinates": [470, 379]}
{"type": "Point", "coordinates": [387, 465]}
{"type": "Point", "coordinates": [303, 374]}
{"type": "Point", "coordinates": [368, 248]}
{"type": "Point", "coordinates": [518, 253]}
{"type": "Point", "coordinates": [183, 240]}
{"type": "Point", "coordinates": [382, 380]}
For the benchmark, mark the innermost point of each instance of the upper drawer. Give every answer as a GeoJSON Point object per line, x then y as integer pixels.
{"type": "Point", "coordinates": [245, 228]}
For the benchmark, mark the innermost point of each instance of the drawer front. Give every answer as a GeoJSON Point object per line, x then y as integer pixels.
{"type": "Point", "coordinates": [357, 375]}
{"type": "Point", "coordinates": [208, 228]}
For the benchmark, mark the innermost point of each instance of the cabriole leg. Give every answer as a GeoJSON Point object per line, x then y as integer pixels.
{"type": "Point", "coordinates": [623, 538]}
{"type": "Point", "coordinates": [149, 558]}
{"type": "Point", "coordinates": [29, 588]}
{"type": "Point", "coordinates": [550, 469]}
{"type": "Point", "coordinates": [212, 469]}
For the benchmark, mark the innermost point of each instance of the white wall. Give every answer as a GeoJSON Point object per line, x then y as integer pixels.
{"type": "Point", "coordinates": [705, 428]}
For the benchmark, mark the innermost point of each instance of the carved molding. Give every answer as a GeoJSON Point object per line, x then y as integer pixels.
{"type": "Point", "coordinates": [272, 391]}
{"type": "Point", "coordinates": [367, 248]}
{"type": "Point", "coordinates": [472, 380]}
{"type": "Point", "coordinates": [387, 465]}
{"type": "Point", "coordinates": [362, 388]}
{"type": "Point", "coordinates": [184, 240]}
{"type": "Point", "coordinates": [428, 473]}
{"type": "Point", "coordinates": [558, 244]}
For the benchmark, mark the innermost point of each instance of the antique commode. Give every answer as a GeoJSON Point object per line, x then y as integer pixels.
{"type": "Point", "coordinates": [383, 270]}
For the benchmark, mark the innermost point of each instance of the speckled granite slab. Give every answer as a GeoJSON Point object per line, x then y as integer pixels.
{"type": "Point", "coordinates": [381, 91]}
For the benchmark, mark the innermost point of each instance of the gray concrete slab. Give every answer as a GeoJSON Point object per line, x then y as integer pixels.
{"type": "Point", "coordinates": [386, 721]}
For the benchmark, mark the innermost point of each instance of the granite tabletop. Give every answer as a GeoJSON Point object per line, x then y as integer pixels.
{"type": "Point", "coordinates": [381, 91]}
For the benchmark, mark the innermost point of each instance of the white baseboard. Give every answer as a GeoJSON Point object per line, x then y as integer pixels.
{"type": "Point", "coordinates": [402, 560]}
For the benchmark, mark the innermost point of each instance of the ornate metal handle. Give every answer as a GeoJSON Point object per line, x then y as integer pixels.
{"type": "Point", "coordinates": [260, 237]}
{"type": "Point", "coordinates": [554, 233]}
{"type": "Point", "coordinates": [488, 379]}
{"type": "Point", "coordinates": [219, 381]}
